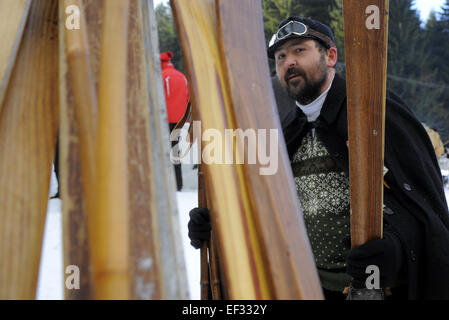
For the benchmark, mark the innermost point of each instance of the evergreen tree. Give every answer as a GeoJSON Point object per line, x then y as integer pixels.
{"type": "Point", "coordinates": [405, 40]}
{"type": "Point", "coordinates": [411, 72]}
{"type": "Point", "coordinates": [444, 16]}
{"type": "Point", "coordinates": [168, 36]}
{"type": "Point", "coordinates": [437, 42]}
{"type": "Point", "coordinates": [444, 48]}
{"type": "Point", "coordinates": [274, 11]}
{"type": "Point", "coordinates": [437, 31]}
{"type": "Point", "coordinates": [318, 10]}
{"type": "Point", "coordinates": [337, 26]}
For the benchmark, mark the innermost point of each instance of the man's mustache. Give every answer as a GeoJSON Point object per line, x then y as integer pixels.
{"type": "Point", "coordinates": [294, 71]}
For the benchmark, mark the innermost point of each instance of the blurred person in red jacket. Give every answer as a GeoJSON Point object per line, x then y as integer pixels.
{"type": "Point", "coordinates": [176, 97]}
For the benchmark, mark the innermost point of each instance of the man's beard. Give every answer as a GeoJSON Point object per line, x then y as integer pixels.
{"type": "Point", "coordinates": [310, 89]}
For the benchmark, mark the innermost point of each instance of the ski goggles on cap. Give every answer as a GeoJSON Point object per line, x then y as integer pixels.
{"type": "Point", "coordinates": [299, 29]}
{"type": "Point", "coordinates": [293, 27]}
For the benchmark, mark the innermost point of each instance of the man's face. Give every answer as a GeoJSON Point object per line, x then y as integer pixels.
{"type": "Point", "coordinates": [301, 69]}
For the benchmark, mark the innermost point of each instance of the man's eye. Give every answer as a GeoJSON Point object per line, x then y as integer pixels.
{"type": "Point", "coordinates": [298, 50]}
{"type": "Point", "coordinates": [281, 56]}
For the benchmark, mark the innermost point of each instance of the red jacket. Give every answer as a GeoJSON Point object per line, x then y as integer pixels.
{"type": "Point", "coordinates": [176, 89]}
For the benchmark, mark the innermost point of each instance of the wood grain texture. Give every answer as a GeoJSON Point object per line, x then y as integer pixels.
{"type": "Point", "coordinates": [215, 282]}
{"type": "Point", "coordinates": [77, 84]}
{"type": "Point", "coordinates": [85, 100]}
{"type": "Point", "coordinates": [277, 216]}
{"type": "Point", "coordinates": [13, 16]}
{"type": "Point", "coordinates": [198, 21]}
{"type": "Point", "coordinates": [28, 126]}
{"type": "Point", "coordinates": [108, 227]}
{"type": "Point", "coordinates": [163, 188]}
{"type": "Point", "coordinates": [145, 259]}
{"type": "Point", "coordinates": [146, 174]}
{"type": "Point", "coordinates": [251, 219]}
{"type": "Point", "coordinates": [366, 52]}
{"type": "Point", "coordinates": [204, 261]}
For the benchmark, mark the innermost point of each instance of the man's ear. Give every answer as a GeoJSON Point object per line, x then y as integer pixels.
{"type": "Point", "coordinates": [332, 57]}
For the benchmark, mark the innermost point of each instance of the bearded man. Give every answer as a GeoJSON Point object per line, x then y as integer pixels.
{"type": "Point", "coordinates": [413, 255]}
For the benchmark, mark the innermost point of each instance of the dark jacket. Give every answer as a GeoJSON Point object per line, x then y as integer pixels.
{"type": "Point", "coordinates": [284, 102]}
{"type": "Point", "coordinates": [419, 214]}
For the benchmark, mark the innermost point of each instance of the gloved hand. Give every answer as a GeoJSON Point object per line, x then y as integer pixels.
{"type": "Point", "coordinates": [386, 253]}
{"type": "Point", "coordinates": [199, 226]}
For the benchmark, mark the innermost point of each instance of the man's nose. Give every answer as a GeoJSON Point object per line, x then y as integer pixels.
{"type": "Point", "coordinates": [290, 61]}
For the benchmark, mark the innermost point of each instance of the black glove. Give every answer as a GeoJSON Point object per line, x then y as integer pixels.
{"type": "Point", "coordinates": [386, 253]}
{"type": "Point", "coordinates": [199, 226]}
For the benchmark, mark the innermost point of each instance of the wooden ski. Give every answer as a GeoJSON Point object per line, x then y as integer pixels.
{"type": "Point", "coordinates": [28, 127]}
{"type": "Point", "coordinates": [108, 227]}
{"type": "Point", "coordinates": [366, 67]}
{"type": "Point", "coordinates": [263, 247]}
{"type": "Point", "coordinates": [155, 259]}
{"type": "Point", "coordinates": [155, 233]}
{"type": "Point", "coordinates": [164, 209]}
{"type": "Point", "coordinates": [211, 286]}
{"type": "Point", "coordinates": [204, 262]}
{"type": "Point", "coordinates": [13, 17]}
{"type": "Point", "coordinates": [77, 135]}
{"type": "Point", "coordinates": [366, 40]}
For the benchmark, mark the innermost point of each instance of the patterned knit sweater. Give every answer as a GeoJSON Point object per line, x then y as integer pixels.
{"type": "Point", "coordinates": [323, 191]}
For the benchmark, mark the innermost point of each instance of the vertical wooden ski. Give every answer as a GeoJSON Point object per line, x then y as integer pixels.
{"type": "Point", "coordinates": [79, 61]}
{"type": "Point", "coordinates": [263, 247]}
{"type": "Point", "coordinates": [204, 263]}
{"type": "Point", "coordinates": [144, 242]}
{"type": "Point", "coordinates": [157, 260]}
{"type": "Point", "coordinates": [211, 286]}
{"type": "Point", "coordinates": [13, 17]}
{"type": "Point", "coordinates": [366, 49]}
{"type": "Point", "coordinates": [366, 34]}
{"type": "Point", "coordinates": [28, 126]}
{"type": "Point", "coordinates": [164, 209]}
{"type": "Point", "coordinates": [108, 227]}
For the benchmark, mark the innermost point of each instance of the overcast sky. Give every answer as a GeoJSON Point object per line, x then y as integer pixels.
{"type": "Point", "coordinates": [424, 6]}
